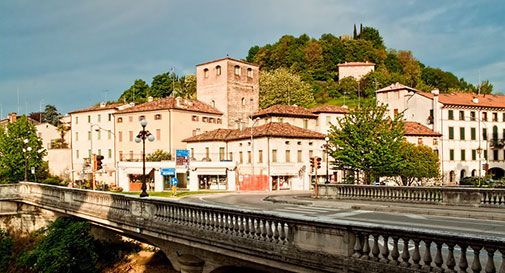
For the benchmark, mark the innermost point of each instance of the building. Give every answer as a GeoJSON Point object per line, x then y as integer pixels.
{"type": "Point", "coordinates": [93, 133]}
{"type": "Point", "coordinates": [271, 156]}
{"type": "Point", "coordinates": [354, 69]}
{"type": "Point", "coordinates": [231, 86]}
{"type": "Point", "coordinates": [472, 128]}
{"type": "Point", "coordinates": [12, 117]}
{"type": "Point", "coordinates": [57, 144]}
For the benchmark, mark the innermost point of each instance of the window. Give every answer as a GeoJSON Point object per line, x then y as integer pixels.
{"type": "Point", "coordinates": [249, 72]}
{"type": "Point", "coordinates": [299, 156]}
{"type": "Point", "coordinates": [484, 133]}
{"type": "Point", "coordinates": [99, 135]}
{"type": "Point", "coordinates": [205, 72]}
{"type": "Point", "coordinates": [207, 152]}
{"type": "Point", "coordinates": [495, 116]}
{"type": "Point", "coordinates": [305, 123]}
{"type": "Point", "coordinates": [130, 136]}
{"type": "Point", "coordinates": [249, 157]}
{"type": "Point", "coordinates": [120, 136]}
{"type": "Point", "coordinates": [474, 154]}
{"type": "Point", "coordinates": [451, 115]}
{"type": "Point", "coordinates": [120, 155]}
{"type": "Point", "coordinates": [99, 118]}
{"type": "Point", "coordinates": [76, 153]}
{"type": "Point", "coordinates": [472, 116]}
{"type": "Point", "coordinates": [461, 115]}
{"type": "Point", "coordinates": [503, 117]}
{"type": "Point", "coordinates": [89, 153]}
{"type": "Point", "coordinates": [451, 132]}
{"type": "Point", "coordinates": [420, 141]}
{"type": "Point", "coordinates": [243, 101]}
{"type": "Point", "coordinates": [451, 154]}
{"type": "Point", "coordinates": [194, 118]}
{"type": "Point", "coordinates": [473, 133]}
{"type": "Point", "coordinates": [89, 119]}
{"type": "Point", "coordinates": [395, 112]}
{"type": "Point", "coordinates": [435, 141]}
{"type": "Point", "coordinates": [237, 70]}
{"type": "Point", "coordinates": [109, 134]}
{"type": "Point", "coordinates": [484, 116]}
{"type": "Point", "coordinates": [157, 117]}
{"type": "Point", "coordinates": [158, 134]}
{"type": "Point", "coordinates": [462, 133]}
{"type": "Point", "coordinates": [219, 121]}
{"type": "Point", "coordinates": [485, 154]}
{"type": "Point", "coordinates": [89, 135]}
{"type": "Point", "coordinates": [131, 155]}
{"type": "Point", "coordinates": [110, 153]}
{"type": "Point", "coordinates": [274, 156]}
{"type": "Point", "coordinates": [241, 157]}
{"type": "Point", "coordinates": [463, 155]}
{"type": "Point", "coordinates": [218, 70]}
{"type": "Point", "coordinates": [99, 151]}
{"type": "Point", "coordinates": [221, 153]}
{"type": "Point", "coordinates": [212, 120]}
{"type": "Point", "coordinates": [495, 133]}
{"type": "Point", "coordinates": [142, 117]}
{"type": "Point", "coordinates": [311, 153]}
{"type": "Point", "coordinates": [130, 118]}
{"type": "Point", "coordinates": [110, 117]}
{"type": "Point", "coordinates": [76, 120]}
{"type": "Point", "coordinates": [204, 119]}
{"type": "Point", "coordinates": [119, 120]}
{"type": "Point", "coordinates": [76, 136]}
{"type": "Point", "coordinates": [495, 155]}
{"type": "Point", "coordinates": [288, 156]}
{"type": "Point", "coordinates": [260, 156]}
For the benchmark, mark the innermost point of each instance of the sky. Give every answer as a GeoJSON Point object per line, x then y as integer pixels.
{"type": "Point", "coordinates": [73, 54]}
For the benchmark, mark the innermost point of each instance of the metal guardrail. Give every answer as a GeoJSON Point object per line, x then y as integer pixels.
{"type": "Point", "coordinates": [327, 245]}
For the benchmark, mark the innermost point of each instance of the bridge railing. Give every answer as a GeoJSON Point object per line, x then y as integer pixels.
{"type": "Point", "coordinates": [323, 244]}
{"type": "Point", "coordinates": [425, 195]}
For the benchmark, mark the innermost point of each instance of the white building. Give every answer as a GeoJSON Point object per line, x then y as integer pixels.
{"type": "Point", "coordinates": [355, 69]}
{"type": "Point", "coordinates": [472, 128]}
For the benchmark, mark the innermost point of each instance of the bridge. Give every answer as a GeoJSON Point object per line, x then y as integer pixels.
{"type": "Point", "coordinates": [207, 238]}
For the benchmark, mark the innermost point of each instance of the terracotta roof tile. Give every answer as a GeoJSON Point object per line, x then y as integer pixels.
{"type": "Point", "coordinates": [272, 129]}
{"type": "Point", "coordinates": [98, 108]}
{"type": "Point", "coordinates": [417, 129]}
{"type": "Point", "coordinates": [284, 111]}
{"type": "Point", "coordinates": [173, 103]}
{"type": "Point", "coordinates": [329, 109]}
{"type": "Point", "coordinates": [466, 99]}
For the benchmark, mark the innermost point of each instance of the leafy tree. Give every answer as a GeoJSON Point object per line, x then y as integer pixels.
{"type": "Point", "coordinates": [15, 154]}
{"type": "Point", "coordinates": [163, 85]}
{"type": "Point", "coordinates": [371, 34]}
{"type": "Point", "coordinates": [51, 115]}
{"type": "Point", "coordinates": [485, 87]}
{"type": "Point", "coordinates": [252, 53]}
{"type": "Point", "coordinates": [283, 87]}
{"type": "Point", "coordinates": [189, 87]}
{"type": "Point", "coordinates": [158, 155]}
{"type": "Point", "coordinates": [6, 245]}
{"type": "Point", "coordinates": [138, 92]}
{"type": "Point", "coordinates": [419, 162]}
{"type": "Point", "coordinates": [368, 140]}
{"type": "Point", "coordinates": [346, 87]}
{"type": "Point", "coordinates": [410, 68]}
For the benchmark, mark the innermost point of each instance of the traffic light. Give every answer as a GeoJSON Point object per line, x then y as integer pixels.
{"type": "Point", "coordinates": [312, 162]}
{"type": "Point", "coordinates": [99, 163]}
{"type": "Point", "coordinates": [318, 162]}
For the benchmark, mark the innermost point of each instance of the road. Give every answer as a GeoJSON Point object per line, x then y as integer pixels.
{"type": "Point", "coordinates": [255, 201]}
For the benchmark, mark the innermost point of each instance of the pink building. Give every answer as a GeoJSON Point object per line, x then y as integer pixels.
{"type": "Point", "coordinates": [355, 69]}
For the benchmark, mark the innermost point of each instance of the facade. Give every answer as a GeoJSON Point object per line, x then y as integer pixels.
{"type": "Point", "coordinates": [230, 85]}
{"type": "Point", "coordinates": [354, 69]}
{"type": "Point", "coordinates": [472, 128]}
{"type": "Point", "coordinates": [59, 153]}
{"type": "Point", "coordinates": [93, 133]}
{"type": "Point", "coordinates": [272, 156]}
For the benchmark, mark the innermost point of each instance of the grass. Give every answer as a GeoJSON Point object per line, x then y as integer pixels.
{"type": "Point", "coordinates": [168, 194]}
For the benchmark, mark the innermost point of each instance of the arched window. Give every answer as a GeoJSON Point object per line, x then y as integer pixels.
{"type": "Point", "coordinates": [119, 120]}
{"type": "Point", "coordinates": [142, 117]}
{"type": "Point", "coordinates": [249, 72]}
{"type": "Point", "coordinates": [206, 73]}
{"type": "Point", "coordinates": [462, 174]}
{"type": "Point", "coordinates": [243, 101]}
{"type": "Point", "coordinates": [474, 172]}
{"type": "Point", "coordinates": [452, 176]}
{"type": "Point", "coordinates": [157, 116]}
{"type": "Point", "coordinates": [237, 70]}
{"type": "Point", "coordinates": [218, 70]}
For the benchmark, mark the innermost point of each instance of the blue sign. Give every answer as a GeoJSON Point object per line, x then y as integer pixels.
{"type": "Point", "coordinates": [167, 171]}
{"type": "Point", "coordinates": [181, 153]}
{"type": "Point", "coordinates": [174, 181]}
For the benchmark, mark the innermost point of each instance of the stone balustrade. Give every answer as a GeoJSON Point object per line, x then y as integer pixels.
{"type": "Point", "coordinates": [288, 242]}
{"type": "Point", "coordinates": [425, 195]}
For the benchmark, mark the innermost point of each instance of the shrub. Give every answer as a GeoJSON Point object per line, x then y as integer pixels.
{"type": "Point", "coordinates": [5, 250]}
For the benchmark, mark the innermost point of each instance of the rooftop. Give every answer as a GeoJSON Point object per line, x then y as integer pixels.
{"type": "Point", "coordinates": [271, 129]}
{"type": "Point", "coordinates": [284, 111]}
{"type": "Point", "coordinates": [173, 103]}
{"type": "Point", "coordinates": [99, 107]}
{"type": "Point", "coordinates": [229, 59]}
{"type": "Point", "coordinates": [396, 86]}
{"type": "Point", "coordinates": [329, 109]}
{"type": "Point", "coordinates": [356, 64]}
{"type": "Point", "coordinates": [417, 129]}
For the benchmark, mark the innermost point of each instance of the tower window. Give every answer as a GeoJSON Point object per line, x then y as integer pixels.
{"type": "Point", "coordinates": [243, 101]}
{"type": "Point", "coordinates": [218, 70]}
{"type": "Point", "coordinates": [237, 70]}
{"type": "Point", "coordinates": [249, 73]}
{"type": "Point", "coordinates": [206, 73]}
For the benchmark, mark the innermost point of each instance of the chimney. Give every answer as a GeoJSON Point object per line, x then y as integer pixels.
{"type": "Point", "coordinates": [13, 117]}
{"type": "Point", "coordinates": [150, 99]}
{"type": "Point", "coordinates": [436, 111]}
{"type": "Point", "coordinates": [103, 104]}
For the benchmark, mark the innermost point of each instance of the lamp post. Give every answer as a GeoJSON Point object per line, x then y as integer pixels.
{"type": "Point", "coordinates": [26, 150]}
{"type": "Point", "coordinates": [252, 148]}
{"type": "Point", "coordinates": [142, 136]}
{"type": "Point", "coordinates": [327, 163]}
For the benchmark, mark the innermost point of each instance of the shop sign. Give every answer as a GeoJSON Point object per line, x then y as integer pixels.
{"type": "Point", "coordinates": [167, 171]}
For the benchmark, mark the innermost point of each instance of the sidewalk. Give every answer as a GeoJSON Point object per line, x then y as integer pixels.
{"type": "Point", "coordinates": [394, 207]}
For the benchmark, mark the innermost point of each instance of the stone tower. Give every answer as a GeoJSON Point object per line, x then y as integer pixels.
{"type": "Point", "coordinates": [231, 86]}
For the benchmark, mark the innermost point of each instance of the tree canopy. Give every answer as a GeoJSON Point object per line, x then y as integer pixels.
{"type": "Point", "coordinates": [283, 87]}
{"type": "Point", "coordinates": [51, 115]}
{"type": "Point", "coordinates": [138, 92]}
{"type": "Point", "coordinates": [419, 162]}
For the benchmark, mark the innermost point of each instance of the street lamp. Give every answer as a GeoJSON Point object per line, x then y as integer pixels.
{"type": "Point", "coordinates": [142, 136]}
{"type": "Point", "coordinates": [327, 163]}
{"type": "Point", "coordinates": [252, 149]}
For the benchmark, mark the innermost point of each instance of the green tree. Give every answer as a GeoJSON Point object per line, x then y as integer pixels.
{"type": "Point", "coordinates": [51, 115]}
{"type": "Point", "coordinates": [189, 87]}
{"type": "Point", "coordinates": [410, 68]}
{"type": "Point", "coordinates": [158, 155]}
{"type": "Point", "coordinates": [163, 85]}
{"type": "Point", "coordinates": [368, 140]}
{"type": "Point", "coordinates": [371, 34]}
{"type": "Point", "coordinates": [16, 155]}
{"type": "Point", "coordinates": [346, 87]}
{"type": "Point", "coordinates": [283, 87]}
{"type": "Point", "coordinates": [419, 162]}
{"type": "Point", "coordinates": [6, 245]}
{"type": "Point", "coordinates": [485, 87]}
{"type": "Point", "coordinates": [138, 92]}
{"type": "Point", "coordinates": [252, 53]}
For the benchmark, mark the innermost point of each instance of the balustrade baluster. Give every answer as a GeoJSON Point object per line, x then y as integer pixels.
{"type": "Point", "coordinates": [366, 247]}
{"type": "Point", "coordinates": [375, 247]}
{"type": "Point", "coordinates": [357, 245]}
{"type": "Point", "coordinates": [263, 229]}
{"type": "Point", "coordinates": [258, 228]}
{"type": "Point", "coordinates": [270, 233]}
{"type": "Point", "coordinates": [416, 256]}
{"type": "Point", "coordinates": [463, 263]}
{"type": "Point", "coordinates": [439, 260]}
{"type": "Point", "coordinates": [394, 253]}
{"type": "Point", "coordinates": [405, 253]}
{"type": "Point", "coordinates": [490, 267]}
{"type": "Point", "coordinates": [276, 231]}
{"type": "Point", "coordinates": [247, 228]}
{"type": "Point", "coordinates": [385, 249]}
{"type": "Point", "coordinates": [451, 263]}
{"type": "Point", "coordinates": [283, 228]}
{"type": "Point", "coordinates": [476, 266]}
{"type": "Point", "coordinates": [502, 267]}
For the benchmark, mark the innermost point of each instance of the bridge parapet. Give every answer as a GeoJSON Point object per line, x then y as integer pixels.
{"type": "Point", "coordinates": [427, 195]}
{"type": "Point", "coordinates": [287, 242]}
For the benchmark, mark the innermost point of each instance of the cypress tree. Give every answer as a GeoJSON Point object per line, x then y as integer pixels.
{"type": "Point", "coordinates": [354, 34]}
